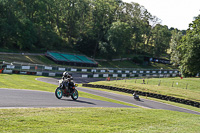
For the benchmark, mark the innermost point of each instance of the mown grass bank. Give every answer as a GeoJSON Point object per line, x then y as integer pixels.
{"type": "Point", "coordinates": [42, 59]}
{"type": "Point", "coordinates": [165, 88]}
{"type": "Point", "coordinates": [97, 120]}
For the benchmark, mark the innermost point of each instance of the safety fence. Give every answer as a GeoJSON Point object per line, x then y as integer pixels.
{"type": "Point", "coordinates": [87, 72]}
{"type": "Point", "coordinates": [147, 94]}
{"type": "Point", "coordinates": [160, 82]}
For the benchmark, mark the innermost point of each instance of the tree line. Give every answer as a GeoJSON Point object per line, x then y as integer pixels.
{"type": "Point", "coordinates": [94, 27]}
{"type": "Point", "coordinates": [185, 49]}
{"type": "Point", "coordinates": [103, 28]}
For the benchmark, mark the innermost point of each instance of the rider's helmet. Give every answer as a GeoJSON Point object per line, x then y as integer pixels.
{"type": "Point", "coordinates": [65, 74]}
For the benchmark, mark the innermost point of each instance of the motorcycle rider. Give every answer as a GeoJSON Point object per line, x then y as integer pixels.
{"type": "Point", "coordinates": [135, 95]}
{"type": "Point", "coordinates": [67, 79]}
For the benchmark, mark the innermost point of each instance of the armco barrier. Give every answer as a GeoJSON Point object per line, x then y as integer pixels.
{"type": "Point", "coordinates": [123, 72]}
{"type": "Point", "coordinates": [154, 95]}
{"type": "Point", "coordinates": [92, 72]}
{"type": "Point", "coordinates": [32, 73]}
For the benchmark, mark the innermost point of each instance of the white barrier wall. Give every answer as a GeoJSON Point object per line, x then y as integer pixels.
{"type": "Point", "coordinates": [96, 75]}
{"type": "Point", "coordinates": [61, 69]}
{"type": "Point", "coordinates": [73, 70]}
{"type": "Point", "coordinates": [7, 71]}
{"type": "Point", "coordinates": [115, 75]}
{"type": "Point", "coordinates": [123, 75]}
{"type": "Point", "coordinates": [111, 71]}
{"type": "Point", "coordinates": [127, 71]}
{"type": "Point", "coordinates": [10, 66]}
{"type": "Point", "coordinates": [84, 76]}
{"type": "Point", "coordinates": [103, 71]}
{"type": "Point", "coordinates": [52, 74]}
{"type": "Point", "coordinates": [39, 73]}
{"type": "Point", "coordinates": [84, 70]}
{"type": "Point", "coordinates": [48, 68]}
{"type": "Point", "coordinates": [105, 75]}
{"type": "Point", "coordinates": [26, 67]}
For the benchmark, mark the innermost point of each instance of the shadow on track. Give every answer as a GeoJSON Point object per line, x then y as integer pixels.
{"type": "Point", "coordinates": [80, 101]}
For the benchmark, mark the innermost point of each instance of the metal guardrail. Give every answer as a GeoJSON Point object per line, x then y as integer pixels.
{"type": "Point", "coordinates": [38, 67]}
{"type": "Point", "coordinates": [88, 72]}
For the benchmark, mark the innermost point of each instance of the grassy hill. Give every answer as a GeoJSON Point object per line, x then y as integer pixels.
{"type": "Point", "coordinates": [42, 59]}
{"type": "Point", "coordinates": [34, 59]}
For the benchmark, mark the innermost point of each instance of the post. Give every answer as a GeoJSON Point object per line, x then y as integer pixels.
{"type": "Point", "coordinates": [172, 83]}
{"type": "Point", "coordinates": [143, 81]}
{"type": "Point", "coordinates": [159, 83]}
{"type": "Point", "coordinates": [135, 80]}
{"type": "Point", "coordinates": [146, 94]}
{"type": "Point", "coordinates": [186, 85]}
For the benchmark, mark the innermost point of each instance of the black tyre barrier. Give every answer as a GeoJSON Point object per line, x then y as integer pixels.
{"type": "Point", "coordinates": [154, 95]}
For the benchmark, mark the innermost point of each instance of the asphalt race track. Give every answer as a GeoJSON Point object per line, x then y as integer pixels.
{"type": "Point", "coordinates": [16, 98]}
{"type": "Point", "coordinates": [129, 99]}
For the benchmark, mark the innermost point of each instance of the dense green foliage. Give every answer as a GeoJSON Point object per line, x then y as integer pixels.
{"type": "Point", "coordinates": [103, 28]}
{"type": "Point", "coordinates": [93, 27]}
{"type": "Point", "coordinates": [186, 49]}
{"type": "Point", "coordinates": [190, 49]}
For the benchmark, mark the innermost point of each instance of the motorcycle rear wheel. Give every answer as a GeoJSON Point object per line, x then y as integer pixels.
{"type": "Point", "coordinates": [74, 95]}
{"type": "Point", "coordinates": [59, 93]}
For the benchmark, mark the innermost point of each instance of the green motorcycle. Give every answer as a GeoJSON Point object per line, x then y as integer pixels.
{"type": "Point", "coordinates": [71, 90]}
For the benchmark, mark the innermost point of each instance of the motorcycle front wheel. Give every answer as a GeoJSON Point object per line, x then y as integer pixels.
{"type": "Point", "coordinates": [59, 93]}
{"type": "Point", "coordinates": [74, 95]}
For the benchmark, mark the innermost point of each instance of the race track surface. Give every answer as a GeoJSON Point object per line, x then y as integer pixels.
{"type": "Point", "coordinates": [15, 98]}
{"type": "Point", "coordinates": [129, 99]}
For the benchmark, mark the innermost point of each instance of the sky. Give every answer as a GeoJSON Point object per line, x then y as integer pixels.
{"type": "Point", "coordinates": [173, 13]}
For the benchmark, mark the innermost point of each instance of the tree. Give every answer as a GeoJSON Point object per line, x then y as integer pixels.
{"type": "Point", "coordinates": [190, 49]}
{"type": "Point", "coordinates": [175, 55]}
{"type": "Point", "coordinates": [88, 26]}
{"type": "Point", "coordinates": [138, 18]}
{"type": "Point", "coordinates": [119, 36]}
{"type": "Point", "coordinates": [103, 15]}
{"type": "Point", "coordinates": [161, 37]}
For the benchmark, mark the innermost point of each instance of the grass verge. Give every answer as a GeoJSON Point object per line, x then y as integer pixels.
{"type": "Point", "coordinates": [97, 120]}
{"type": "Point", "coordinates": [154, 99]}
{"type": "Point", "coordinates": [191, 93]}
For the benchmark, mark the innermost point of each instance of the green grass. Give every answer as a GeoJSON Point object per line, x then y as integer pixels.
{"type": "Point", "coordinates": [88, 119]}
{"type": "Point", "coordinates": [97, 120]}
{"type": "Point", "coordinates": [34, 59]}
{"type": "Point", "coordinates": [150, 98]}
{"type": "Point", "coordinates": [45, 60]}
{"type": "Point", "coordinates": [131, 64]}
{"type": "Point", "coordinates": [24, 82]}
{"type": "Point", "coordinates": [41, 59]}
{"type": "Point", "coordinates": [191, 93]}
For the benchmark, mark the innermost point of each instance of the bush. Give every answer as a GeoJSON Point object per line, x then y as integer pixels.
{"type": "Point", "coordinates": [138, 59]}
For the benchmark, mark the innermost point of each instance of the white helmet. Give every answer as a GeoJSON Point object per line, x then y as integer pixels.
{"type": "Point", "coordinates": [65, 74]}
